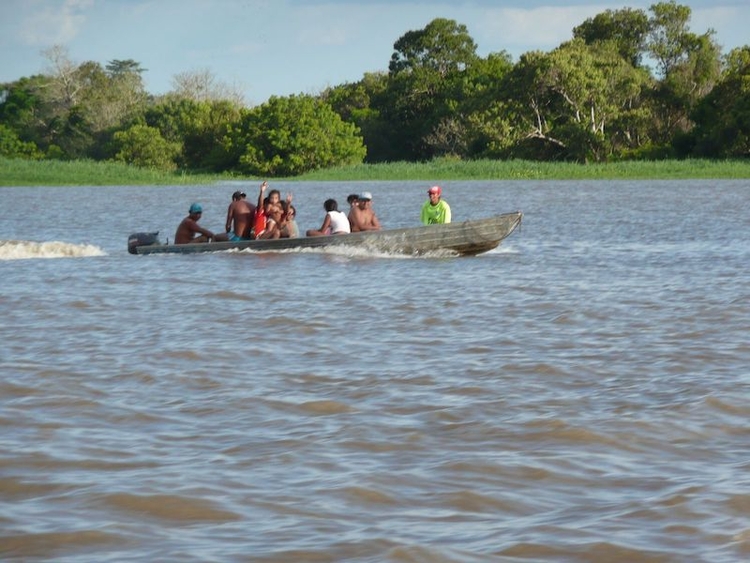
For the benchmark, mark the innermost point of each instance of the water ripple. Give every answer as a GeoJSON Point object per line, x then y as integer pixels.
{"type": "Point", "coordinates": [580, 394]}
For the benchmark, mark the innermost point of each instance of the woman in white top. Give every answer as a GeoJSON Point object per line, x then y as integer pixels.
{"type": "Point", "coordinates": [335, 222]}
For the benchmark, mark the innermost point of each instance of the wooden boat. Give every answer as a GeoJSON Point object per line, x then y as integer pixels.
{"type": "Point", "coordinates": [466, 238]}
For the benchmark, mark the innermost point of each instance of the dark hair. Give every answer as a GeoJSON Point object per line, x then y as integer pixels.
{"type": "Point", "coordinates": [351, 198]}
{"type": "Point", "coordinates": [331, 205]}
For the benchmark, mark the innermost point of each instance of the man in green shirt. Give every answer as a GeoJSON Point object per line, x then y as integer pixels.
{"type": "Point", "coordinates": [435, 210]}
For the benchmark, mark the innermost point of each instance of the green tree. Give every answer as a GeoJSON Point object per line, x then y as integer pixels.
{"type": "Point", "coordinates": [443, 46]}
{"type": "Point", "coordinates": [565, 101]}
{"type": "Point", "coordinates": [527, 91]}
{"type": "Point", "coordinates": [198, 126]}
{"type": "Point", "coordinates": [23, 110]}
{"type": "Point", "coordinates": [358, 103]}
{"type": "Point", "coordinates": [723, 116]}
{"type": "Point", "coordinates": [144, 146]}
{"type": "Point", "coordinates": [687, 67]}
{"type": "Point", "coordinates": [597, 85]}
{"type": "Point", "coordinates": [127, 94]}
{"type": "Point", "coordinates": [13, 147]}
{"type": "Point", "coordinates": [127, 67]}
{"type": "Point", "coordinates": [70, 111]}
{"type": "Point", "coordinates": [669, 38]}
{"type": "Point", "coordinates": [292, 135]}
{"type": "Point", "coordinates": [484, 111]}
{"type": "Point", "coordinates": [103, 102]}
{"type": "Point", "coordinates": [203, 146]}
{"type": "Point", "coordinates": [473, 123]}
{"type": "Point", "coordinates": [627, 28]}
{"type": "Point", "coordinates": [426, 83]}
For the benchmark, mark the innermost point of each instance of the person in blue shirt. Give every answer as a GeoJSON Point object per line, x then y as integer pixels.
{"type": "Point", "coordinates": [435, 210]}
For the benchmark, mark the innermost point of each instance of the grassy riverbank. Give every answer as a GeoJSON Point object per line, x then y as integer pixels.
{"type": "Point", "coordinates": [448, 169]}
{"type": "Point", "coordinates": [14, 172]}
{"type": "Point", "coordinates": [18, 172]}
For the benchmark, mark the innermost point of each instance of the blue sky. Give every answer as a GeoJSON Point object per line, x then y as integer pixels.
{"type": "Point", "coordinates": [280, 47]}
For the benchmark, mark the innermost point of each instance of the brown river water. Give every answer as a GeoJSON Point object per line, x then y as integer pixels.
{"type": "Point", "coordinates": [579, 394]}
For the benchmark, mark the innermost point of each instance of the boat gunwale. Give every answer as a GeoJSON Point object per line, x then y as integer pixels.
{"type": "Point", "coordinates": [462, 245]}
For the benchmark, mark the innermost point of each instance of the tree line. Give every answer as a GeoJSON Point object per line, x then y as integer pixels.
{"type": "Point", "coordinates": [630, 84]}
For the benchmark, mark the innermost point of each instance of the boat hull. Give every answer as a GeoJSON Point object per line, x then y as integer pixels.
{"type": "Point", "coordinates": [465, 238]}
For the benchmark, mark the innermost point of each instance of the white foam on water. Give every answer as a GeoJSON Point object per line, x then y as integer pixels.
{"type": "Point", "coordinates": [353, 252]}
{"type": "Point", "coordinates": [26, 249]}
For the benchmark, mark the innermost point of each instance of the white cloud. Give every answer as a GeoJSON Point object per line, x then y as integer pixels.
{"type": "Point", "coordinates": [517, 30]}
{"type": "Point", "coordinates": [280, 47]}
{"type": "Point", "coordinates": [53, 23]}
{"type": "Point", "coordinates": [325, 35]}
{"type": "Point", "coordinates": [330, 25]}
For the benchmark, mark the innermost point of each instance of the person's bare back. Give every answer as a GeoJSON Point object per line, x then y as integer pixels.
{"type": "Point", "coordinates": [240, 218]}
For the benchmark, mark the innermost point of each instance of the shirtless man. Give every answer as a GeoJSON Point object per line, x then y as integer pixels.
{"type": "Point", "coordinates": [240, 216]}
{"type": "Point", "coordinates": [190, 231]}
{"type": "Point", "coordinates": [362, 217]}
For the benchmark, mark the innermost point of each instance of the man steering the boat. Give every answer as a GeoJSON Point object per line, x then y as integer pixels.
{"type": "Point", "coordinates": [190, 231]}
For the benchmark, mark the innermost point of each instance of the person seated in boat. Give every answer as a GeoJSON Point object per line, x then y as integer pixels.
{"type": "Point", "coordinates": [263, 224]}
{"type": "Point", "coordinates": [240, 215]}
{"type": "Point", "coordinates": [274, 212]}
{"type": "Point", "coordinates": [334, 223]}
{"type": "Point", "coordinates": [259, 218]}
{"type": "Point", "coordinates": [435, 210]}
{"type": "Point", "coordinates": [352, 200]}
{"type": "Point", "coordinates": [190, 231]}
{"type": "Point", "coordinates": [362, 217]}
{"type": "Point", "coordinates": [289, 228]}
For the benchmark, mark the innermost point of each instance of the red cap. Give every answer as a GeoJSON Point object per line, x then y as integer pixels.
{"type": "Point", "coordinates": [435, 190]}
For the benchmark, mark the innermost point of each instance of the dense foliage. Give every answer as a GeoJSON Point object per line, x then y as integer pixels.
{"type": "Point", "coordinates": [592, 99]}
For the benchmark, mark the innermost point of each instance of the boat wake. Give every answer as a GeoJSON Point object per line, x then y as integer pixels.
{"type": "Point", "coordinates": [25, 249]}
{"type": "Point", "coordinates": [345, 251]}
{"type": "Point", "coordinates": [505, 249]}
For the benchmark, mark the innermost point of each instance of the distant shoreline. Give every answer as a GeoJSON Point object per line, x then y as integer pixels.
{"type": "Point", "coordinates": [17, 172]}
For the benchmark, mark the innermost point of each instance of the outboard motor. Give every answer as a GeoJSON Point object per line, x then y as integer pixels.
{"type": "Point", "coordinates": [142, 239]}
